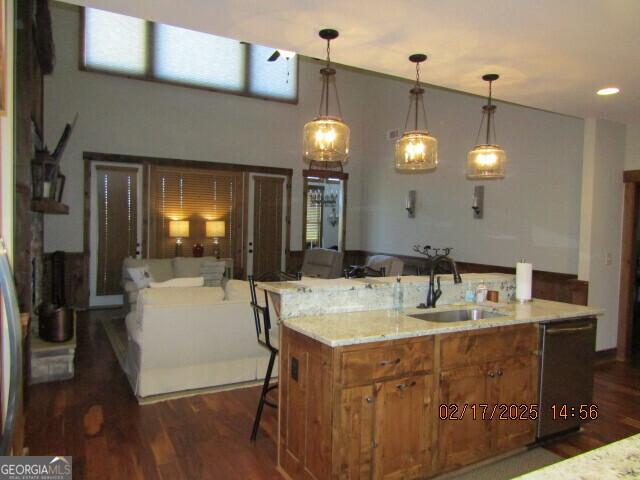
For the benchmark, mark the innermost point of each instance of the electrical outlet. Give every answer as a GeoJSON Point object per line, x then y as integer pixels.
{"type": "Point", "coordinates": [607, 259]}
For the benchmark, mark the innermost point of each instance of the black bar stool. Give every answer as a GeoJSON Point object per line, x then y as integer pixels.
{"type": "Point", "coordinates": [263, 327]}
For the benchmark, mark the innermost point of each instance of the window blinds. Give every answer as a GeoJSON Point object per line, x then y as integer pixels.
{"type": "Point", "coordinates": [114, 42]}
{"type": "Point", "coordinates": [117, 225]}
{"type": "Point", "coordinates": [137, 48]}
{"type": "Point", "coordinates": [195, 195]}
{"type": "Point", "coordinates": [314, 216]}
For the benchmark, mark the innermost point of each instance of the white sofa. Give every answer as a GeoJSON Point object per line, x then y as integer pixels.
{"type": "Point", "coordinates": [163, 269]}
{"type": "Point", "coordinates": [189, 338]}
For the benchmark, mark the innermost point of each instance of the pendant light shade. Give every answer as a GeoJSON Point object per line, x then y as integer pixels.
{"type": "Point", "coordinates": [416, 150]}
{"type": "Point", "coordinates": [487, 160]}
{"type": "Point", "coordinates": [326, 137]}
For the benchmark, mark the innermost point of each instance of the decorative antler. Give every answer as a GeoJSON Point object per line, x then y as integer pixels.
{"type": "Point", "coordinates": [429, 252]}
{"type": "Point", "coordinates": [423, 250]}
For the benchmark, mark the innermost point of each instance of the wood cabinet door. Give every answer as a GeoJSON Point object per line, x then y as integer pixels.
{"type": "Point", "coordinates": [402, 432]}
{"type": "Point", "coordinates": [515, 390]}
{"type": "Point", "coordinates": [463, 436]}
{"type": "Point", "coordinates": [354, 434]}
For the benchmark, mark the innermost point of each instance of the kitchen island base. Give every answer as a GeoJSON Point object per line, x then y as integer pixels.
{"type": "Point", "coordinates": [407, 408]}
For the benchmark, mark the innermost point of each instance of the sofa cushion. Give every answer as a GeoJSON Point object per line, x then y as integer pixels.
{"type": "Point", "coordinates": [161, 268]}
{"type": "Point", "coordinates": [184, 267]}
{"type": "Point", "coordinates": [132, 297]}
{"type": "Point", "coordinates": [140, 276]}
{"type": "Point", "coordinates": [181, 296]}
{"type": "Point", "coordinates": [237, 291]}
{"type": "Point", "coordinates": [212, 271]}
{"type": "Point", "coordinates": [179, 282]}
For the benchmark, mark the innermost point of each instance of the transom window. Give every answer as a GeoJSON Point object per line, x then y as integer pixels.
{"type": "Point", "coordinates": [137, 48]}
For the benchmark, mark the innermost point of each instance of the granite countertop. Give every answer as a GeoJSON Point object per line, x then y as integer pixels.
{"type": "Point", "coordinates": [619, 460]}
{"type": "Point", "coordinates": [310, 284]}
{"type": "Point", "coordinates": [376, 325]}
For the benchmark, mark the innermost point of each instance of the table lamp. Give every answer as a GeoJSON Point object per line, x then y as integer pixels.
{"type": "Point", "coordinates": [179, 229]}
{"type": "Point", "coordinates": [215, 229]}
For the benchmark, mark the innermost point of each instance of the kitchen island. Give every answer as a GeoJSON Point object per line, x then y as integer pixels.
{"type": "Point", "coordinates": [382, 394]}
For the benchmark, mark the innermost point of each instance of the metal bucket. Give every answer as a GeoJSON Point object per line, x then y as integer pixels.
{"type": "Point", "coordinates": [55, 323]}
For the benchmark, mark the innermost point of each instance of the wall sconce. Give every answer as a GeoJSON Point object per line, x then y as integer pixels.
{"type": "Point", "coordinates": [410, 205]}
{"type": "Point", "coordinates": [478, 201]}
{"type": "Point", "coordinates": [215, 229]}
{"type": "Point", "coordinates": [179, 229]}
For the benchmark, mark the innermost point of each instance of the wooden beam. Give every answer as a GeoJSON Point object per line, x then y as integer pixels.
{"type": "Point", "coordinates": [631, 176]}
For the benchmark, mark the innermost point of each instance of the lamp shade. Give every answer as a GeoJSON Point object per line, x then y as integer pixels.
{"type": "Point", "coordinates": [326, 139]}
{"type": "Point", "coordinates": [416, 150]}
{"type": "Point", "coordinates": [179, 228]}
{"type": "Point", "coordinates": [486, 162]}
{"type": "Point", "coordinates": [215, 228]}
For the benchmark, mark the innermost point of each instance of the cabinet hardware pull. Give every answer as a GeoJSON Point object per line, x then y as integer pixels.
{"type": "Point", "coordinates": [403, 386]}
{"type": "Point", "coordinates": [369, 399]}
{"type": "Point", "coordinates": [561, 331]}
{"type": "Point", "coordinates": [491, 374]}
{"type": "Point", "coordinates": [384, 363]}
{"type": "Point", "coordinates": [500, 372]}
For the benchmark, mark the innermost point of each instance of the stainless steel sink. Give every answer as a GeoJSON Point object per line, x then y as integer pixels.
{"type": "Point", "coordinates": [461, 315]}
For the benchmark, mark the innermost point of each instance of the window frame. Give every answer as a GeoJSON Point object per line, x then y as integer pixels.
{"type": "Point", "coordinates": [149, 77]}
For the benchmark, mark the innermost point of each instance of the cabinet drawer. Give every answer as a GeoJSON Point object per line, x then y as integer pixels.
{"type": "Point", "coordinates": [486, 345]}
{"type": "Point", "coordinates": [387, 361]}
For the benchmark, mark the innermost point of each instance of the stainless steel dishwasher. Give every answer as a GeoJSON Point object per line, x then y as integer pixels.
{"type": "Point", "coordinates": [566, 374]}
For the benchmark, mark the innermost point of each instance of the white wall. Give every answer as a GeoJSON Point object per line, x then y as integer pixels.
{"type": "Point", "coordinates": [533, 213]}
{"type": "Point", "coordinates": [119, 115]}
{"type": "Point", "coordinates": [632, 150]}
{"type": "Point", "coordinates": [601, 215]}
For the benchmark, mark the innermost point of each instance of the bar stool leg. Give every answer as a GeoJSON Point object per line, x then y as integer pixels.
{"type": "Point", "coordinates": [265, 389]}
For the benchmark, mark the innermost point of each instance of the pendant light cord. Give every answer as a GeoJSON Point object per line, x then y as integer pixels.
{"type": "Point", "coordinates": [415, 92]}
{"type": "Point", "coordinates": [326, 79]}
{"type": "Point", "coordinates": [489, 113]}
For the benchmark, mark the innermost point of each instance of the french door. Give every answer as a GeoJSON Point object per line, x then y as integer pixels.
{"type": "Point", "coordinates": [266, 226]}
{"type": "Point", "coordinates": [116, 227]}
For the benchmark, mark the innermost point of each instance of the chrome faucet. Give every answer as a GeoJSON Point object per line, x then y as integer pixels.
{"type": "Point", "coordinates": [433, 295]}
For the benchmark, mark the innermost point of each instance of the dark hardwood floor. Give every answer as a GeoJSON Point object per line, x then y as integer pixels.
{"type": "Point", "coordinates": [95, 418]}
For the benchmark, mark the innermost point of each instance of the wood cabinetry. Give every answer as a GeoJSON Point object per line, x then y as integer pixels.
{"type": "Point", "coordinates": [372, 411]}
{"type": "Point", "coordinates": [490, 397]}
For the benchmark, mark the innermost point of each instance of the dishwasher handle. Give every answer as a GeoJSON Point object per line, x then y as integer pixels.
{"type": "Point", "coordinates": [563, 331]}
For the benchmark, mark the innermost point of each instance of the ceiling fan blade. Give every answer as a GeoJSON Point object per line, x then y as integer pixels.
{"type": "Point", "coordinates": [274, 56]}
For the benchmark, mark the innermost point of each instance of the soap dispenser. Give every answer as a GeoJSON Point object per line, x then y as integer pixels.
{"type": "Point", "coordinates": [398, 295]}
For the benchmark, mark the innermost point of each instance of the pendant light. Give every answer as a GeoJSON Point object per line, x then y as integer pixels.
{"type": "Point", "coordinates": [326, 138]}
{"type": "Point", "coordinates": [416, 149]}
{"type": "Point", "coordinates": [486, 161]}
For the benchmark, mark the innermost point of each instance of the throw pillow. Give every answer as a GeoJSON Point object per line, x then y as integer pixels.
{"type": "Point", "coordinates": [179, 282]}
{"type": "Point", "coordinates": [141, 276]}
{"type": "Point", "coordinates": [212, 271]}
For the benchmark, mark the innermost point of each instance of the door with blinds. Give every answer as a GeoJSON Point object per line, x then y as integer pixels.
{"type": "Point", "coordinates": [267, 212]}
{"type": "Point", "coordinates": [116, 225]}
{"type": "Point", "coordinates": [208, 205]}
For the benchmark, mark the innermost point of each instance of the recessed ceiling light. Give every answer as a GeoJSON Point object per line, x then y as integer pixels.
{"type": "Point", "coordinates": [608, 91]}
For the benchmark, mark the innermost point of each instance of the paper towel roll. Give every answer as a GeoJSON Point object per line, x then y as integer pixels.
{"type": "Point", "coordinates": [524, 275]}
